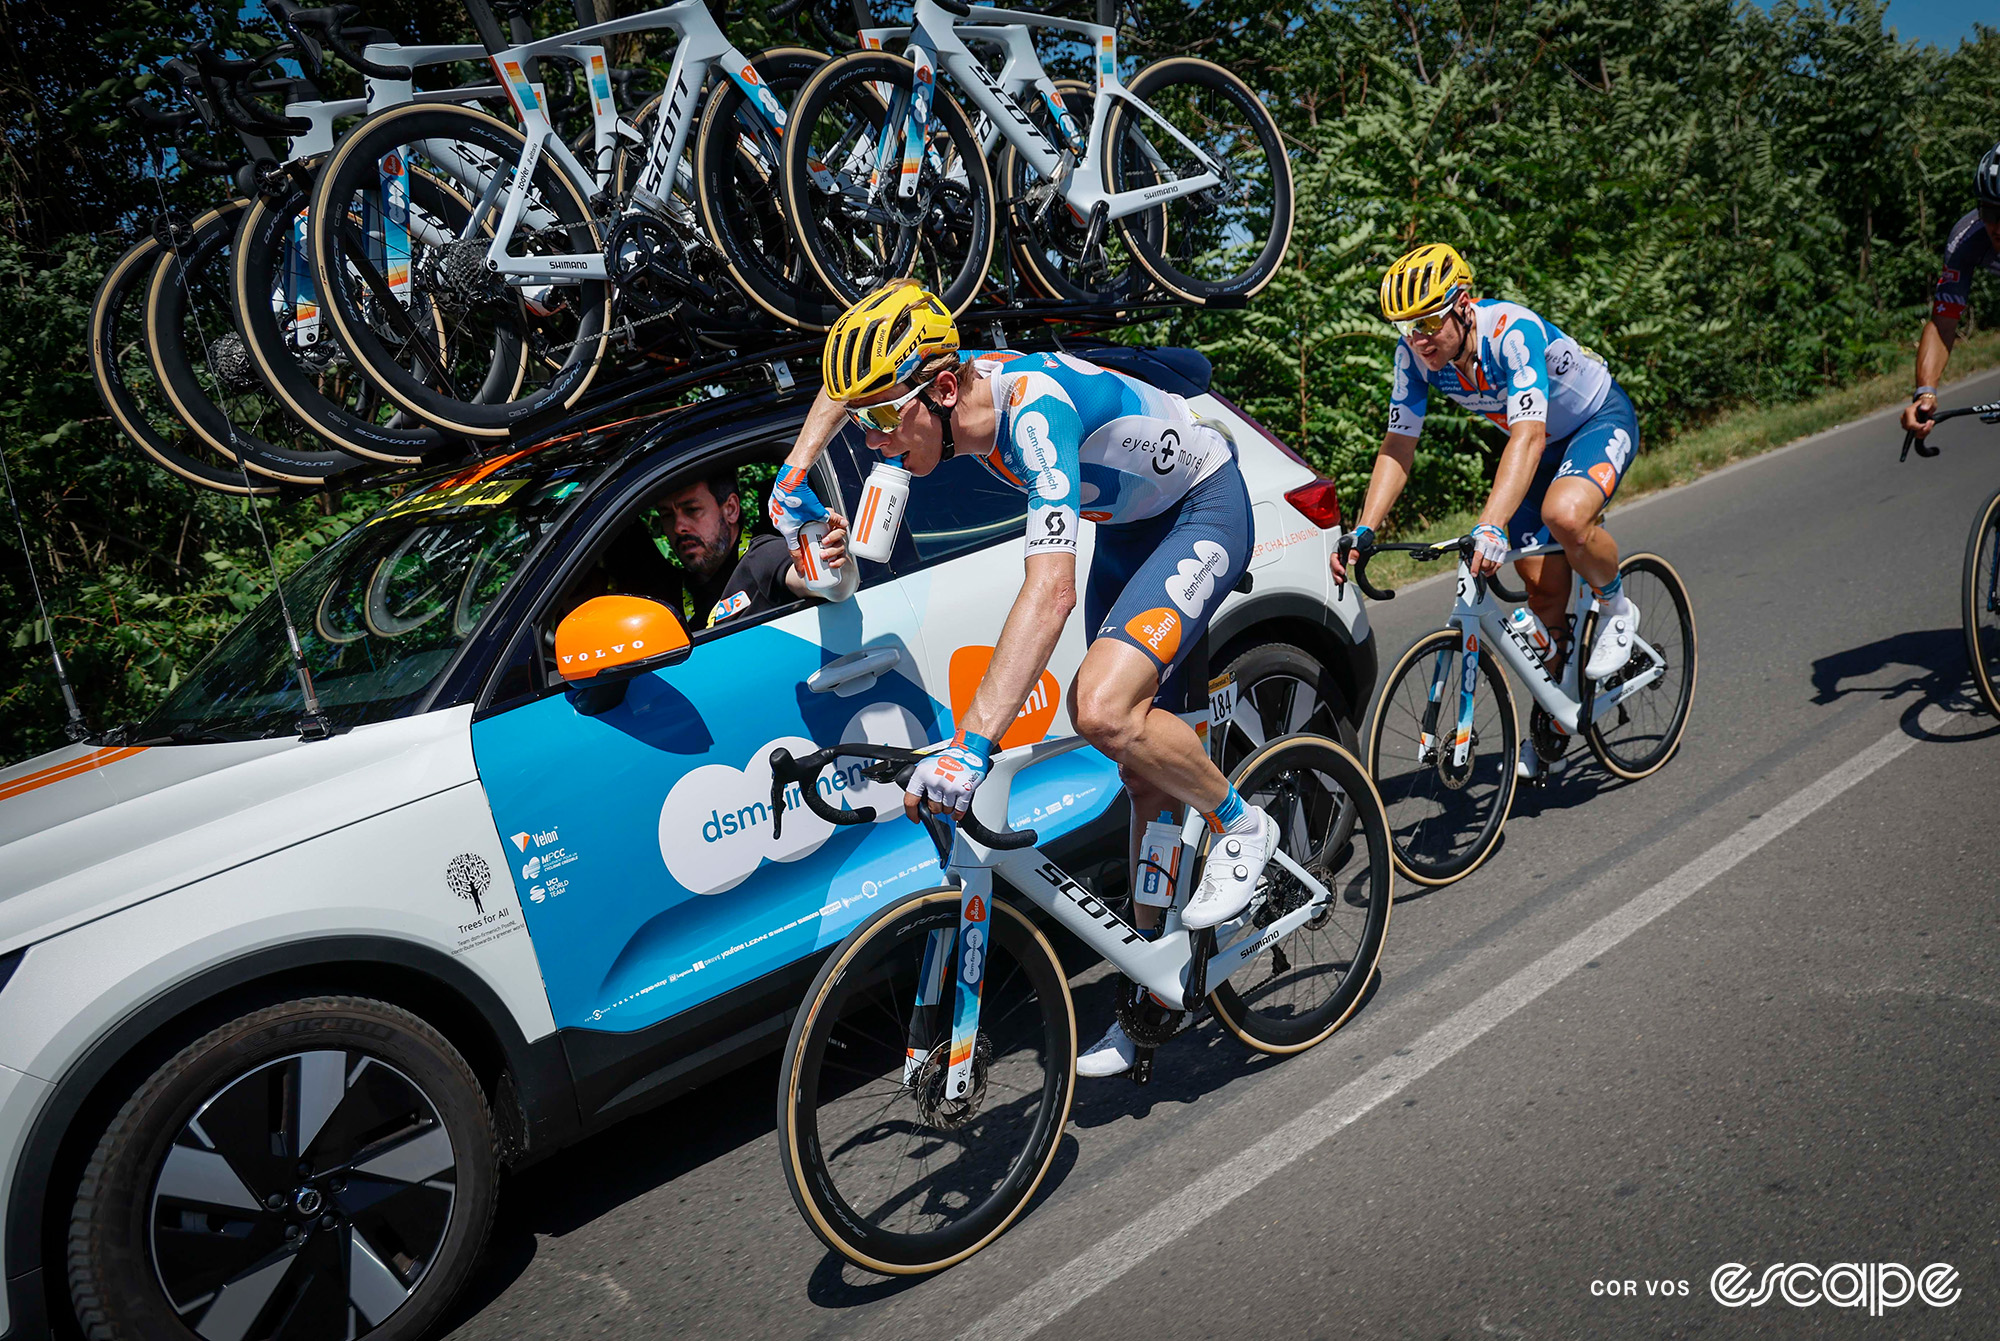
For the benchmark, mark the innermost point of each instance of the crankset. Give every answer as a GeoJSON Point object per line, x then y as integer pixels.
{"type": "Point", "coordinates": [1145, 1021]}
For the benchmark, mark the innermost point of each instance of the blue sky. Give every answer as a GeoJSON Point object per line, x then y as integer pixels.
{"type": "Point", "coordinates": [1943, 22]}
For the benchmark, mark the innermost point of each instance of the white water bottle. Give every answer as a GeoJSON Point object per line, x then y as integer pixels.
{"type": "Point", "coordinates": [828, 584]}
{"type": "Point", "coordinates": [1159, 862]}
{"type": "Point", "coordinates": [1528, 632]}
{"type": "Point", "coordinates": [880, 515]}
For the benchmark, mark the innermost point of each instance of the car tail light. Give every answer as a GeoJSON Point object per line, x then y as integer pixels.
{"type": "Point", "coordinates": [1318, 502]}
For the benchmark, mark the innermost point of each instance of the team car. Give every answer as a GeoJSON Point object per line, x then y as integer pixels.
{"type": "Point", "coordinates": [279, 999]}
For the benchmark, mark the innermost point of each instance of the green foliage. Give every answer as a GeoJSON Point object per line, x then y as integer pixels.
{"type": "Point", "coordinates": [1735, 206]}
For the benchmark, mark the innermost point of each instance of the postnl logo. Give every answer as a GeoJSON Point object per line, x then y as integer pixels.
{"type": "Point", "coordinates": [1606, 477]}
{"type": "Point", "coordinates": [1031, 723]}
{"type": "Point", "coordinates": [1019, 393]}
{"type": "Point", "coordinates": [976, 910]}
{"type": "Point", "coordinates": [1159, 630]}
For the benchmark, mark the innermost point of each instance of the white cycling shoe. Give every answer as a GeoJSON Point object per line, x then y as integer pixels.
{"type": "Point", "coordinates": [1617, 636]}
{"type": "Point", "coordinates": [1529, 767]}
{"type": "Point", "coordinates": [1111, 1055]}
{"type": "Point", "coordinates": [1229, 878]}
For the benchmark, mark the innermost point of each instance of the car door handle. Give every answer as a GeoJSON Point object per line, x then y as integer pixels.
{"type": "Point", "coordinates": [854, 673]}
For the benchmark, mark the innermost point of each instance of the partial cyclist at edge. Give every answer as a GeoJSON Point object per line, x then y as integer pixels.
{"type": "Point", "coordinates": [1973, 244]}
{"type": "Point", "coordinates": [1571, 434]}
{"type": "Point", "coordinates": [1173, 536]}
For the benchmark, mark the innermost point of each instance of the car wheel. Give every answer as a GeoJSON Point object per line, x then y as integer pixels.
{"type": "Point", "coordinates": [321, 1168]}
{"type": "Point", "coordinates": [1280, 690]}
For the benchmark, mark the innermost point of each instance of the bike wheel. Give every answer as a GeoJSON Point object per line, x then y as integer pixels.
{"type": "Point", "coordinates": [1330, 821]}
{"type": "Point", "coordinates": [1047, 237]}
{"type": "Point", "coordinates": [943, 237]}
{"type": "Point", "coordinates": [291, 343]}
{"type": "Point", "coordinates": [1982, 603]}
{"type": "Point", "coordinates": [1443, 823]}
{"type": "Point", "coordinates": [886, 1171]}
{"type": "Point", "coordinates": [738, 165]}
{"type": "Point", "coordinates": [422, 316]}
{"type": "Point", "coordinates": [122, 364]}
{"type": "Point", "coordinates": [1228, 240]}
{"type": "Point", "coordinates": [205, 369]}
{"type": "Point", "coordinates": [1647, 727]}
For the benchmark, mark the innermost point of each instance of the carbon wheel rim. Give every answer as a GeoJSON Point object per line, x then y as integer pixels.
{"type": "Point", "coordinates": [305, 1199]}
{"type": "Point", "coordinates": [1646, 728]}
{"type": "Point", "coordinates": [1982, 606]}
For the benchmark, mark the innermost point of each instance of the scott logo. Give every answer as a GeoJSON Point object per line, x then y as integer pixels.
{"type": "Point", "coordinates": [1085, 901]}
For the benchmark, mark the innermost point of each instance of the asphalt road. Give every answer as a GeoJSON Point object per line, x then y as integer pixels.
{"type": "Point", "coordinates": [1742, 1011]}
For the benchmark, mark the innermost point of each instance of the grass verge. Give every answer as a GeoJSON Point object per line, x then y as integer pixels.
{"type": "Point", "coordinates": [1733, 436]}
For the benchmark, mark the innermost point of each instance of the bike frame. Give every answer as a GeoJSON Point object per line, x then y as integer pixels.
{"type": "Point", "coordinates": [1021, 75]}
{"type": "Point", "coordinates": [702, 47]}
{"type": "Point", "coordinates": [1167, 966]}
{"type": "Point", "coordinates": [935, 39]}
{"type": "Point", "coordinates": [1482, 623]}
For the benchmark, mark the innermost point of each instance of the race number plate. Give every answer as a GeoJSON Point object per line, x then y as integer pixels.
{"type": "Point", "coordinates": [1221, 698]}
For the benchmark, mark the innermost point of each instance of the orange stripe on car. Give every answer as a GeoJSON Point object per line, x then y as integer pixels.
{"type": "Point", "coordinates": [60, 772]}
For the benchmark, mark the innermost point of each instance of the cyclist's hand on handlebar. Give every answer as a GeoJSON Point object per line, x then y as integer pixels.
{"type": "Point", "coordinates": [1359, 541]}
{"type": "Point", "coordinates": [1917, 416]}
{"type": "Point", "coordinates": [794, 504]}
{"type": "Point", "coordinates": [1489, 548]}
{"type": "Point", "coordinates": [944, 782]}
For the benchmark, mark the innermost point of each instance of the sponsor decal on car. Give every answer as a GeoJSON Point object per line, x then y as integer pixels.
{"type": "Point", "coordinates": [968, 667]}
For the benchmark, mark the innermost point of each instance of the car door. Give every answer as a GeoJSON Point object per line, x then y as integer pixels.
{"type": "Point", "coordinates": [641, 840]}
{"type": "Point", "coordinates": [961, 563]}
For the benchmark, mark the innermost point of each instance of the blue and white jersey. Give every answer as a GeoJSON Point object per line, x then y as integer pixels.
{"type": "Point", "coordinates": [1524, 369]}
{"type": "Point", "coordinates": [1085, 441]}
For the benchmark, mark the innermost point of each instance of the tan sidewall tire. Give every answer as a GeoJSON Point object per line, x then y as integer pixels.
{"type": "Point", "coordinates": [1590, 737]}
{"type": "Point", "coordinates": [1989, 693]}
{"type": "Point", "coordinates": [803, 1029]}
{"type": "Point", "coordinates": [1427, 645]}
{"type": "Point", "coordinates": [1215, 999]}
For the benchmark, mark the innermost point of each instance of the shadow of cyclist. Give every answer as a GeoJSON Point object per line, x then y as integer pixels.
{"type": "Point", "coordinates": [1927, 667]}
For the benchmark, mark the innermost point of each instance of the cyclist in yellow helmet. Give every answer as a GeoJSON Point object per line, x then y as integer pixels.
{"type": "Point", "coordinates": [1571, 434]}
{"type": "Point", "coordinates": [1173, 538]}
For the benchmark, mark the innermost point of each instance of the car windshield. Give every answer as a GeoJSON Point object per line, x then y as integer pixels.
{"type": "Point", "coordinates": [380, 612]}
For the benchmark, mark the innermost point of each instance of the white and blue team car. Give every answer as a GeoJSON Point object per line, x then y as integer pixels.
{"type": "Point", "coordinates": [275, 1009]}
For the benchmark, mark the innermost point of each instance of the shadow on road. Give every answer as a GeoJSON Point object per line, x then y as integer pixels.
{"type": "Point", "coordinates": [1927, 667]}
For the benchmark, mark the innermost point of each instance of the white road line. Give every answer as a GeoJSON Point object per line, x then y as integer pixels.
{"type": "Point", "coordinates": [1056, 1294]}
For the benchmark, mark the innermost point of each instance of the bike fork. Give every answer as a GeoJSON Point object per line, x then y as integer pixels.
{"type": "Point", "coordinates": [1468, 676]}
{"type": "Point", "coordinates": [975, 929]}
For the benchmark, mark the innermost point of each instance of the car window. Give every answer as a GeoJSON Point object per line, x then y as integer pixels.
{"type": "Point", "coordinates": [380, 612]}
{"type": "Point", "coordinates": [960, 507]}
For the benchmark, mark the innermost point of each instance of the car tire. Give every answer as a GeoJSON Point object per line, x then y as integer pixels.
{"type": "Point", "coordinates": [1269, 677]}
{"type": "Point", "coordinates": [323, 1167]}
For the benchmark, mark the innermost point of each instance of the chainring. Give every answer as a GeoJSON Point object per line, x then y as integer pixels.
{"type": "Point", "coordinates": [1550, 742]}
{"type": "Point", "coordinates": [1144, 1020]}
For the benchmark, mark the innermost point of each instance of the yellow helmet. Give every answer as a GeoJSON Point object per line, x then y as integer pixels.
{"type": "Point", "coordinates": [883, 338]}
{"type": "Point", "coordinates": [1423, 282]}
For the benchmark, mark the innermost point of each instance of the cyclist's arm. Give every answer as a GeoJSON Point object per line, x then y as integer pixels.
{"type": "Point", "coordinates": [822, 422]}
{"type": "Point", "coordinates": [1933, 352]}
{"type": "Point", "coordinates": [1039, 438]}
{"type": "Point", "coordinates": [1524, 358]}
{"type": "Point", "coordinates": [1394, 461]}
{"type": "Point", "coordinates": [1027, 641]}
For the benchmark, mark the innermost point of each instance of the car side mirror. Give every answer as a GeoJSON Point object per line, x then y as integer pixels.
{"type": "Point", "coordinates": [608, 641]}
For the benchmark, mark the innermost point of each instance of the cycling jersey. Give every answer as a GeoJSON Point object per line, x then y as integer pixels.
{"type": "Point", "coordinates": [1968, 249]}
{"type": "Point", "coordinates": [1525, 369]}
{"type": "Point", "coordinates": [1088, 442]}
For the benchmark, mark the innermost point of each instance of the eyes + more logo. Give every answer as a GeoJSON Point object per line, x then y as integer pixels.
{"type": "Point", "coordinates": [715, 825]}
{"type": "Point", "coordinates": [1874, 1286]}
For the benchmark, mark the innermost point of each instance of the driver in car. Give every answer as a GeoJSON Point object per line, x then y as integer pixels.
{"type": "Point", "coordinates": [727, 569]}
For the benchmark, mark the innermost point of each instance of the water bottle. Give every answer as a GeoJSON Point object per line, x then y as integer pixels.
{"type": "Point", "coordinates": [828, 584]}
{"type": "Point", "coordinates": [1159, 862]}
{"type": "Point", "coordinates": [880, 515]}
{"type": "Point", "coordinates": [1529, 633]}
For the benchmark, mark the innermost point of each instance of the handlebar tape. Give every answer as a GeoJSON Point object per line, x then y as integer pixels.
{"type": "Point", "coordinates": [1507, 593]}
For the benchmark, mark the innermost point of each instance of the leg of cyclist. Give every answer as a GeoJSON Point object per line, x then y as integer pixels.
{"type": "Point", "coordinates": [1592, 467]}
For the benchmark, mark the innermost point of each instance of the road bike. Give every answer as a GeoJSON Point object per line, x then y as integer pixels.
{"type": "Point", "coordinates": [1047, 244]}
{"type": "Point", "coordinates": [513, 315]}
{"type": "Point", "coordinates": [1979, 600]}
{"type": "Point", "coordinates": [1448, 778]}
{"type": "Point", "coordinates": [1184, 163]}
{"type": "Point", "coordinates": [929, 1072]}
